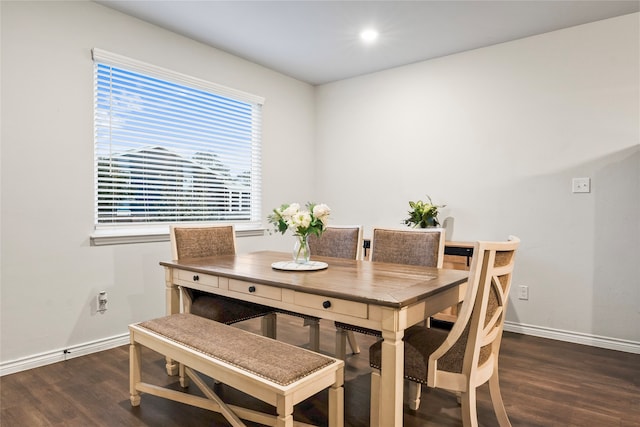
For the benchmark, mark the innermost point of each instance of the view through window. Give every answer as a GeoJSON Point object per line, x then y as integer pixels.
{"type": "Point", "coordinates": [172, 151]}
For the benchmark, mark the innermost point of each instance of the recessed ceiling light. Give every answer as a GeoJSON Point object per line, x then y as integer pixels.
{"type": "Point", "coordinates": [369, 35]}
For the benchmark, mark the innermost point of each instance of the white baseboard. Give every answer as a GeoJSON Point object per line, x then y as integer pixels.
{"type": "Point", "coordinates": [116, 341]}
{"type": "Point", "coordinates": [574, 337]}
{"type": "Point", "coordinates": [61, 355]}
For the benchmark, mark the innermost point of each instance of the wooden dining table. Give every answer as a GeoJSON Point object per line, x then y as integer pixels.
{"type": "Point", "coordinates": [380, 296]}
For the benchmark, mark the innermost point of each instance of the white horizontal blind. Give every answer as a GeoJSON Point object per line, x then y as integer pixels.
{"type": "Point", "coordinates": [172, 148]}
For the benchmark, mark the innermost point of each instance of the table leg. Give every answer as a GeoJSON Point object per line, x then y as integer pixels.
{"type": "Point", "coordinates": [391, 390]}
{"type": "Point", "coordinates": [173, 307]}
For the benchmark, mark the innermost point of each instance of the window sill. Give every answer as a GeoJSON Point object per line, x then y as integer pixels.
{"type": "Point", "coordinates": [121, 236]}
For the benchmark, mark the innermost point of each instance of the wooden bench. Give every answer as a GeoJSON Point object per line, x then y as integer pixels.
{"type": "Point", "coordinates": [277, 373]}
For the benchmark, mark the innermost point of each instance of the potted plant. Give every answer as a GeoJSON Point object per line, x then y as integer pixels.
{"type": "Point", "coordinates": [423, 214]}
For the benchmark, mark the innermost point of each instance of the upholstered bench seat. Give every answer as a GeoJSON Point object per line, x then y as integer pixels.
{"type": "Point", "coordinates": [272, 371]}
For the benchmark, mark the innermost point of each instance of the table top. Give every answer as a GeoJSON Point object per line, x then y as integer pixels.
{"type": "Point", "coordinates": [384, 284]}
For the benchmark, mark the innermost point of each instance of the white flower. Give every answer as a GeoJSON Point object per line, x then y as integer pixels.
{"type": "Point", "coordinates": [321, 212]}
{"type": "Point", "coordinates": [301, 219]}
{"type": "Point", "coordinates": [290, 211]}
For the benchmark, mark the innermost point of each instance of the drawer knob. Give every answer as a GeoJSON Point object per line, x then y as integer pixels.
{"type": "Point", "coordinates": [196, 277]}
{"type": "Point", "coordinates": [252, 288]}
{"type": "Point", "coordinates": [326, 304]}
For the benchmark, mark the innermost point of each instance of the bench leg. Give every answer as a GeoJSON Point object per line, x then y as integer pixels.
{"type": "Point", "coordinates": [171, 366]}
{"type": "Point", "coordinates": [336, 405]}
{"type": "Point", "coordinates": [134, 373]}
{"type": "Point", "coordinates": [284, 408]}
{"type": "Point", "coordinates": [184, 378]}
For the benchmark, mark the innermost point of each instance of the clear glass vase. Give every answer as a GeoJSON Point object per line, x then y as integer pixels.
{"type": "Point", "coordinates": [301, 251]}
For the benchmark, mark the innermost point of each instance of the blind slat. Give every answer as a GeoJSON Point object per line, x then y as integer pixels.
{"type": "Point", "coordinates": [171, 148]}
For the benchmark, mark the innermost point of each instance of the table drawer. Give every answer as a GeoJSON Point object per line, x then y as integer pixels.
{"type": "Point", "coordinates": [188, 277]}
{"type": "Point", "coordinates": [336, 305]}
{"type": "Point", "coordinates": [262, 291]}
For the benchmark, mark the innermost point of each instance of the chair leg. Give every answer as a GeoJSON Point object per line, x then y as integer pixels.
{"type": "Point", "coordinates": [469, 412]}
{"type": "Point", "coordinates": [413, 398]}
{"type": "Point", "coordinates": [496, 399]}
{"type": "Point", "coordinates": [341, 344]}
{"type": "Point", "coordinates": [353, 343]}
{"type": "Point", "coordinates": [374, 416]}
{"type": "Point", "coordinates": [314, 333]}
{"type": "Point", "coordinates": [269, 325]}
{"type": "Point", "coordinates": [342, 336]}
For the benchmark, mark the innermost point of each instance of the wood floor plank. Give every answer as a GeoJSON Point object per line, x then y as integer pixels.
{"type": "Point", "coordinates": [544, 383]}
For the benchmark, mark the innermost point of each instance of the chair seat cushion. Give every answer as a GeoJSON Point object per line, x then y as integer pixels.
{"type": "Point", "coordinates": [226, 310]}
{"type": "Point", "coordinates": [419, 343]}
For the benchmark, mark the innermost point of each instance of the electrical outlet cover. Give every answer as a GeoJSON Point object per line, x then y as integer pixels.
{"type": "Point", "coordinates": [581, 185]}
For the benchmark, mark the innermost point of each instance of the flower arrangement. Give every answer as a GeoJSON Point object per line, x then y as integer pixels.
{"type": "Point", "coordinates": [423, 214]}
{"type": "Point", "coordinates": [302, 223]}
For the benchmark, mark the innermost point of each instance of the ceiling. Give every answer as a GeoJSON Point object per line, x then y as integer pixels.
{"type": "Point", "coordinates": [318, 41]}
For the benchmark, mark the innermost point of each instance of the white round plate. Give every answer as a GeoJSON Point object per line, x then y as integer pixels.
{"type": "Point", "coordinates": [294, 266]}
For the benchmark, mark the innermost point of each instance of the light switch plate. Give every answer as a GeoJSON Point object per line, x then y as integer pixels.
{"type": "Point", "coordinates": [581, 185]}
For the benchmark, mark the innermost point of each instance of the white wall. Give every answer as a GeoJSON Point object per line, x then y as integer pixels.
{"type": "Point", "coordinates": [497, 134]}
{"type": "Point", "coordinates": [50, 274]}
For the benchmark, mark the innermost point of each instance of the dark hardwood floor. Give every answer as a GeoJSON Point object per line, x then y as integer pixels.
{"type": "Point", "coordinates": [544, 383]}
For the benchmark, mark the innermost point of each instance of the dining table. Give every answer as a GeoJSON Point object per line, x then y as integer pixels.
{"type": "Point", "coordinates": [381, 296]}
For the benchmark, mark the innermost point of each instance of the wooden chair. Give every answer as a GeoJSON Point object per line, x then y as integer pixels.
{"type": "Point", "coordinates": [413, 246]}
{"type": "Point", "coordinates": [467, 356]}
{"type": "Point", "coordinates": [197, 241]}
{"type": "Point", "coordinates": [340, 241]}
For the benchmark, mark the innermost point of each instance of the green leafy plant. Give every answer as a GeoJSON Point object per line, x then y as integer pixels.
{"type": "Point", "coordinates": [423, 214]}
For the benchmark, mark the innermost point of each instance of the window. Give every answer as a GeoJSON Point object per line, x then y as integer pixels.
{"type": "Point", "coordinates": [172, 148]}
